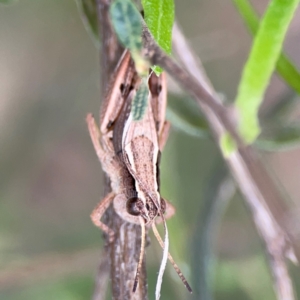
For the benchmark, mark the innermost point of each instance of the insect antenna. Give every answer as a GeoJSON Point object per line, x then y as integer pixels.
{"type": "Point", "coordinates": [175, 266]}
{"type": "Point", "coordinates": [139, 266]}
{"type": "Point", "coordinates": [163, 261]}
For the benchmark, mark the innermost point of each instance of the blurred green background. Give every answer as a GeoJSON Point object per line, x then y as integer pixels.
{"type": "Point", "coordinates": [51, 179]}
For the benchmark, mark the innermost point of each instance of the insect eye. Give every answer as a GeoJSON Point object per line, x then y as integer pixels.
{"type": "Point", "coordinates": [133, 207]}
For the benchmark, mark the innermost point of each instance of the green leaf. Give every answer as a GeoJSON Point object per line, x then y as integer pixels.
{"type": "Point", "coordinates": [184, 125]}
{"type": "Point", "coordinates": [227, 144]}
{"type": "Point", "coordinates": [88, 12]}
{"type": "Point", "coordinates": [140, 101]}
{"type": "Point", "coordinates": [159, 17]}
{"type": "Point", "coordinates": [282, 139]}
{"type": "Point", "coordinates": [127, 22]}
{"type": "Point", "coordinates": [261, 63]}
{"type": "Point", "coordinates": [186, 117]}
{"type": "Point", "coordinates": [288, 72]}
{"type": "Point", "coordinates": [284, 66]}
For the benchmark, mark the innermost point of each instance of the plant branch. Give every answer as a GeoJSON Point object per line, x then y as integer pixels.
{"type": "Point", "coordinates": [124, 251]}
{"type": "Point", "coordinates": [202, 95]}
{"type": "Point", "coordinates": [258, 189]}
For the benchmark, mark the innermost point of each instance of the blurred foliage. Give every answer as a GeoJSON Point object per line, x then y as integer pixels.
{"type": "Point", "coordinates": [284, 66]}
{"type": "Point", "coordinates": [74, 287]}
{"type": "Point", "coordinates": [280, 138]}
{"type": "Point", "coordinates": [51, 179]}
{"type": "Point", "coordinates": [127, 22]}
{"type": "Point", "coordinates": [261, 63]}
{"type": "Point", "coordinates": [88, 12]}
{"type": "Point", "coordinates": [184, 115]}
{"type": "Point", "coordinates": [181, 115]}
{"type": "Point", "coordinates": [203, 251]}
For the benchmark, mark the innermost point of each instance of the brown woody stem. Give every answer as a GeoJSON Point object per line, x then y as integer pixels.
{"type": "Point", "coordinates": [124, 251]}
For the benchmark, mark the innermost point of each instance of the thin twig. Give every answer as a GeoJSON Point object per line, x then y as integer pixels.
{"type": "Point", "coordinates": [156, 56]}
{"type": "Point", "coordinates": [254, 182]}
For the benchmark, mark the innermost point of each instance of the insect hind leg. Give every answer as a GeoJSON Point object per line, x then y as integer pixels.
{"type": "Point", "coordinates": [98, 212]}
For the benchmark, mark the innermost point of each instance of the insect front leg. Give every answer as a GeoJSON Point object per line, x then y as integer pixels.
{"type": "Point", "coordinates": [98, 212]}
{"type": "Point", "coordinates": [95, 136]}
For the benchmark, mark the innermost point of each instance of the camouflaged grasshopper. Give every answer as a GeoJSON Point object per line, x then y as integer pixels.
{"type": "Point", "coordinates": [128, 148]}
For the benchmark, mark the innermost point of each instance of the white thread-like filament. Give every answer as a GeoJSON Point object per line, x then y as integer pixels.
{"type": "Point", "coordinates": [178, 271]}
{"type": "Point", "coordinates": [163, 261]}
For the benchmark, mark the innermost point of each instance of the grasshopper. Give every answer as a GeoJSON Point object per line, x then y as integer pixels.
{"type": "Point", "coordinates": [129, 151]}
{"type": "Point", "coordinates": [122, 182]}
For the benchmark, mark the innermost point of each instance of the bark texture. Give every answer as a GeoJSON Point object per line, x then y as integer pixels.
{"type": "Point", "coordinates": [123, 253]}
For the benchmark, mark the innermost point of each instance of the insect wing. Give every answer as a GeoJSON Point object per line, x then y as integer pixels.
{"type": "Point", "coordinates": [119, 88]}
{"type": "Point", "coordinates": [158, 90]}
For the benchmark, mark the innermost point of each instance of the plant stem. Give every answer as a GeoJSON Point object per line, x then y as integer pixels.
{"type": "Point", "coordinates": [124, 251]}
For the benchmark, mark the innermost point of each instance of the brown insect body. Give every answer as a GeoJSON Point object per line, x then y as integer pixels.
{"type": "Point", "coordinates": [138, 150]}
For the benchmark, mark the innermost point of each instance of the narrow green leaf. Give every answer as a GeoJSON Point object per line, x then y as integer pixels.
{"type": "Point", "coordinates": [184, 125]}
{"type": "Point", "coordinates": [227, 144]}
{"type": "Point", "coordinates": [261, 63]}
{"type": "Point", "coordinates": [88, 12]}
{"type": "Point", "coordinates": [140, 101]}
{"type": "Point", "coordinates": [284, 66]}
{"type": "Point", "coordinates": [284, 138]}
{"type": "Point", "coordinates": [288, 72]}
{"type": "Point", "coordinates": [127, 22]}
{"type": "Point", "coordinates": [159, 17]}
